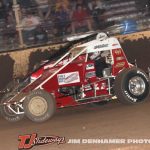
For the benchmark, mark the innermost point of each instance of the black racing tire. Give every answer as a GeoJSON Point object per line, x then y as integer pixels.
{"type": "Point", "coordinates": [6, 113]}
{"type": "Point", "coordinates": [39, 106]}
{"type": "Point", "coordinates": [132, 86]}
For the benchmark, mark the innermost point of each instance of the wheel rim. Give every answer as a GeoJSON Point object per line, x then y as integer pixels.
{"type": "Point", "coordinates": [137, 86]}
{"type": "Point", "coordinates": [8, 111]}
{"type": "Point", "coordinates": [38, 106]}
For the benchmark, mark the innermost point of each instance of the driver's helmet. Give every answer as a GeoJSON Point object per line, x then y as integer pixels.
{"type": "Point", "coordinates": [101, 36]}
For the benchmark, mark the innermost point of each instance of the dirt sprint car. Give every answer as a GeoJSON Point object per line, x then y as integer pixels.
{"type": "Point", "coordinates": [91, 72]}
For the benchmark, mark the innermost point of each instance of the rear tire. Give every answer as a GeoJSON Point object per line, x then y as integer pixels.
{"type": "Point", "coordinates": [39, 106]}
{"type": "Point", "coordinates": [132, 86]}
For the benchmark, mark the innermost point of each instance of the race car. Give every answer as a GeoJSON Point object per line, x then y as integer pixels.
{"type": "Point", "coordinates": [92, 72]}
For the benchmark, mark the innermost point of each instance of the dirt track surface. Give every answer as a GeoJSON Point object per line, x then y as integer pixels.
{"type": "Point", "coordinates": [113, 120]}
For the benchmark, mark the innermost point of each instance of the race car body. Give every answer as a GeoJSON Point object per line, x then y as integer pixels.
{"type": "Point", "coordinates": [91, 72]}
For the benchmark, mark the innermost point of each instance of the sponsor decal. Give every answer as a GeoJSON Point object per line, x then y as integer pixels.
{"type": "Point", "coordinates": [89, 66]}
{"type": "Point", "coordinates": [100, 46]}
{"type": "Point", "coordinates": [120, 58]}
{"type": "Point", "coordinates": [114, 44]}
{"type": "Point", "coordinates": [87, 87]}
{"type": "Point", "coordinates": [80, 65]}
{"type": "Point", "coordinates": [90, 74]}
{"type": "Point", "coordinates": [118, 52]}
{"type": "Point", "coordinates": [68, 78]}
{"type": "Point", "coordinates": [103, 86]}
{"type": "Point", "coordinates": [30, 140]}
{"type": "Point", "coordinates": [120, 65]}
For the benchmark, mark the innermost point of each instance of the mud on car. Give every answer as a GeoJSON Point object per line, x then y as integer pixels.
{"type": "Point", "coordinates": [91, 72]}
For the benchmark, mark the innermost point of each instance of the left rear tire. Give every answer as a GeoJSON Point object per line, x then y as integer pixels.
{"type": "Point", "coordinates": [7, 113]}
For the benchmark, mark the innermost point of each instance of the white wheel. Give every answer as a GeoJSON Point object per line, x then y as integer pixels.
{"type": "Point", "coordinates": [39, 106]}
{"type": "Point", "coordinates": [137, 85]}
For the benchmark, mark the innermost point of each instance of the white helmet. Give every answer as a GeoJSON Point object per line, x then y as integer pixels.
{"type": "Point", "coordinates": [101, 36]}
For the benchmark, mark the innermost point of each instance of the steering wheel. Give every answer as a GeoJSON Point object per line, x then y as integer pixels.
{"type": "Point", "coordinates": [101, 36]}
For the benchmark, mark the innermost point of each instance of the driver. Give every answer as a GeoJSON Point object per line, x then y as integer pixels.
{"type": "Point", "coordinates": [100, 62]}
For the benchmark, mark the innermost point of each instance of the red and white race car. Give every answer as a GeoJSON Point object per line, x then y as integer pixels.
{"type": "Point", "coordinates": [91, 72]}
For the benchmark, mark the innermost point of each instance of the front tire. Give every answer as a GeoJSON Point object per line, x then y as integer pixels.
{"type": "Point", "coordinates": [132, 86]}
{"type": "Point", "coordinates": [39, 106]}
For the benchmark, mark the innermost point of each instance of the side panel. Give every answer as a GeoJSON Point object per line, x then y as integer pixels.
{"type": "Point", "coordinates": [81, 75]}
{"type": "Point", "coordinates": [71, 75]}
{"type": "Point", "coordinates": [120, 61]}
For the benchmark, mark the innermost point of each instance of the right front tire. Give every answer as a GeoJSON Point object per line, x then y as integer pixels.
{"type": "Point", "coordinates": [132, 86]}
{"type": "Point", "coordinates": [39, 106]}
